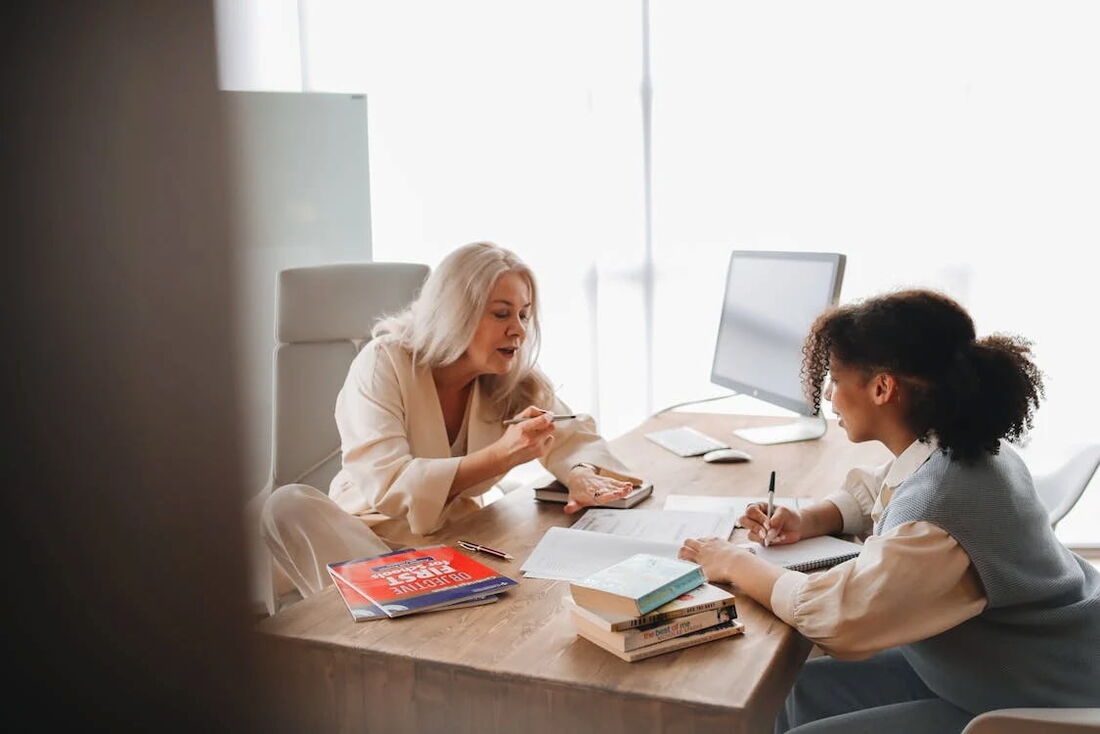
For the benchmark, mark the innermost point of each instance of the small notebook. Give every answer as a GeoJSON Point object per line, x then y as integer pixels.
{"type": "Point", "coordinates": [558, 492]}
{"type": "Point", "coordinates": [807, 555]}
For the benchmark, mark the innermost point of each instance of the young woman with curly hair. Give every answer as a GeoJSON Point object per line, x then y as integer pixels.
{"type": "Point", "coordinates": [962, 599]}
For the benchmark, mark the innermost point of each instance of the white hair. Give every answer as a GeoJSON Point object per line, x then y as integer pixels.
{"type": "Point", "coordinates": [439, 325]}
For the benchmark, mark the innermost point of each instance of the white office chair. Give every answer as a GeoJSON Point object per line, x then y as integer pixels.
{"type": "Point", "coordinates": [1059, 490]}
{"type": "Point", "coordinates": [1030, 721]}
{"type": "Point", "coordinates": [323, 316]}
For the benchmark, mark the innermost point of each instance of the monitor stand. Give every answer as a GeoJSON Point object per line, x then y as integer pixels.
{"type": "Point", "coordinates": [804, 428]}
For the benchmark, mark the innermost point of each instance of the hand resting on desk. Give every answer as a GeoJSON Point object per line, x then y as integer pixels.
{"type": "Point", "coordinates": [587, 488]}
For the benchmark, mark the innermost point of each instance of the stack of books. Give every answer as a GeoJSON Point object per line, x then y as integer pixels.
{"type": "Point", "coordinates": [414, 580]}
{"type": "Point", "coordinates": [648, 605]}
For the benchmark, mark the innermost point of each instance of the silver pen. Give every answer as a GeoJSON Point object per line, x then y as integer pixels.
{"type": "Point", "coordinates": [771, 506]}
{"type": "Point", "coordinates": [557, 417]}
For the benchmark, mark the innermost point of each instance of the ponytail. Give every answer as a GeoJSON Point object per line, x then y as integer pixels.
{"type": "Point", "coordinates": [989, 392]}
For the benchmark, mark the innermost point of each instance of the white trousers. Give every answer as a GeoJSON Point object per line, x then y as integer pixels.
{"type": "Point", "coordinates": [305, 530]}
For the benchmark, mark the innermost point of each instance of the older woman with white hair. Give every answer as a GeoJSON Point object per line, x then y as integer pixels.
{"type": "Point", "coordinates": [422, 420]}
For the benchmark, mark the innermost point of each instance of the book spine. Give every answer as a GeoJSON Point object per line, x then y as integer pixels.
{"type": "Point", "coordinates": [549, 496]}
{"type": "Point", "coordinates": [726, 629]}
{"type": "Point", "coordinates": [670, 591]}
{"type": "Point", "coordinates": [660, 617]}
{"type": "Point", "coordinates": [634, 639]}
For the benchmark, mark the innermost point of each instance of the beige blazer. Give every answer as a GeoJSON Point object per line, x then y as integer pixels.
{"type": "Point", "coordinates": [397, 459]}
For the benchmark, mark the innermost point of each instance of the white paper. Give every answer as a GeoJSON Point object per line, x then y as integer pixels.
{"type": "Point", "coordinates": [569, 554]}
{"type": "Point", "coordinates": [663, 525]}
{"type": "Point", "coordinates": [734, 506]}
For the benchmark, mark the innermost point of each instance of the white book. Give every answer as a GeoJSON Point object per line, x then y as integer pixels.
{"type": "Point", "coordinates": [705, 598]}
{"type": "Point", "coordinates": [592, 625]}
{"type": "Point", "coordinates": [717, 632]}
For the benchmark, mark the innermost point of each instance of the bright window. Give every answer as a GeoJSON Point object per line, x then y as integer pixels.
{"type": "Point", "coordinates": [941, 144]}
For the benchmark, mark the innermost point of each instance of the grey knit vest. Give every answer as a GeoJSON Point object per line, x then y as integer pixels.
{"type": "Point", "coordinates": [1037, 643]}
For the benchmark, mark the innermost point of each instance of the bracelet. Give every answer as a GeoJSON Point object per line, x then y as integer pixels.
{"type": "Point", "coordinates": [585, 465]}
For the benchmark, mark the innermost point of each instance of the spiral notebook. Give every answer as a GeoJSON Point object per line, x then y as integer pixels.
{"type": "Point", "coordinates": [807, 555]}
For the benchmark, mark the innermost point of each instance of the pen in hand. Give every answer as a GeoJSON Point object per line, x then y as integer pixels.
{"type": "Point", "coordinates": [771, 508]}
{"type": "Point", "coordinates": [555, 418]}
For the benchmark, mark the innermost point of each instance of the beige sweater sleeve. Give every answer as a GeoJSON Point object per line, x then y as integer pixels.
{"type": "Point", "coordinates": [907, 585]}
{"type": "Point", "coordinates": [379, 471]}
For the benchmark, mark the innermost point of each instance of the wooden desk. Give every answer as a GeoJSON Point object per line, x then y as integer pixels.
{"type": "Point", "coordinates": [517, 665]}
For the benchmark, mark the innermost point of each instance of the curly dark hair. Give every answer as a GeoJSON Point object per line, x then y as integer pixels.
{"type": "Point", "coordinates": [969, 392]}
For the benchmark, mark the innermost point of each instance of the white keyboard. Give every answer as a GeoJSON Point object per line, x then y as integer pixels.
{"type": "Point", "coordinates": [685, 441]}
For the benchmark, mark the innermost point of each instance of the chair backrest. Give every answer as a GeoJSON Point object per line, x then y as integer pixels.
{"type": "Point", "coordinates": [1060, 489]}
{"type": "Point", "coordinates": [323, 316]}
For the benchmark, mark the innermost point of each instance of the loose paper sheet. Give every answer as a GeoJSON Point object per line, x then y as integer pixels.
{"type": "Point", "coordinates": [734, 506]}
{"type": "Point", "coordinates": [569, 554]}
{"type": "Point", "coordinates": [664, 525]}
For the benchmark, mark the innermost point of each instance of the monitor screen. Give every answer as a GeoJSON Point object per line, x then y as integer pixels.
{"type": "Point", "coordinates": [772, 299]}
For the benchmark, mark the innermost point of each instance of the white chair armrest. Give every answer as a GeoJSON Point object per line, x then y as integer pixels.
{"type": "Point", "coordinates": [1028, 721]}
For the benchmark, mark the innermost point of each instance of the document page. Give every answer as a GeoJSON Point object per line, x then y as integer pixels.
{"type": "Point", "coordinates": [734, 506]}
{"type": "Point", "coordinates": [568, 554]}
{"type": "Point", "coordinates": [665, 525]}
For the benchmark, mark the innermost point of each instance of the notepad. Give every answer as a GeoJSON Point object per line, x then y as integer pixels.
{"type": "Point", "coordinates": [807, 555]}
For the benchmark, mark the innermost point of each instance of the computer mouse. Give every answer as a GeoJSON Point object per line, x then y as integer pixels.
{"type": "Point", "coordinates": [725, 456]}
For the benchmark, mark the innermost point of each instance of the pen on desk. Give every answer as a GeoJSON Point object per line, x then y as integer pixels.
{"type": "Point", "coordinates": [484, 549]}
{"type": "Point", "coordinates": [555, 418]}
{"type": "Point", "coordinates": [771, 506]}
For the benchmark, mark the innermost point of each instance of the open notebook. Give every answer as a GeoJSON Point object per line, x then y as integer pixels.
{"type": "Point", "coordinates": [807, 555]}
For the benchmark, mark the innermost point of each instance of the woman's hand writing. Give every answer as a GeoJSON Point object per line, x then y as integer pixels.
{"type": "Point", "coordinates": [784, 526]}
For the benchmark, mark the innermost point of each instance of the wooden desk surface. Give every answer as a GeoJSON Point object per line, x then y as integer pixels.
{"type": "Point", "coordinates": [481, 668]}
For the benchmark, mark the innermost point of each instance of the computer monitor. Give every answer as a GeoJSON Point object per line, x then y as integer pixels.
{"type": "Point", "coordinates": [772, 299]}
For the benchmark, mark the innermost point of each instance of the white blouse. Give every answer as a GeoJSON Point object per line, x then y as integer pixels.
{"type": "Point", "coordinates": [397, 458]}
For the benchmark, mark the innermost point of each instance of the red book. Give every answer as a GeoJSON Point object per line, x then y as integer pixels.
{"type": "Point", "coordinates": [363, 610]}
{"type": "Point", "coordinates": [418, 579]}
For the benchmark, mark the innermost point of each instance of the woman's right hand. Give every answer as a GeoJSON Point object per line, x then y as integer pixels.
{"type": "Point", "coordinates": [527, 440]}
{"type": "Point", "coordinates": [784, 526]}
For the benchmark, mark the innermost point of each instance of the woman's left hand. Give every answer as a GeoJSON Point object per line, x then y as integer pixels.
{"type": "Point", "coordinates": [586, 488]}
{"type": "Point", "coordinates": [716, 556]}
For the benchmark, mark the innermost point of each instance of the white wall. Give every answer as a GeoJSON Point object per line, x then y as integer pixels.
{"type": "Point", "coordinates": [302, 198]}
